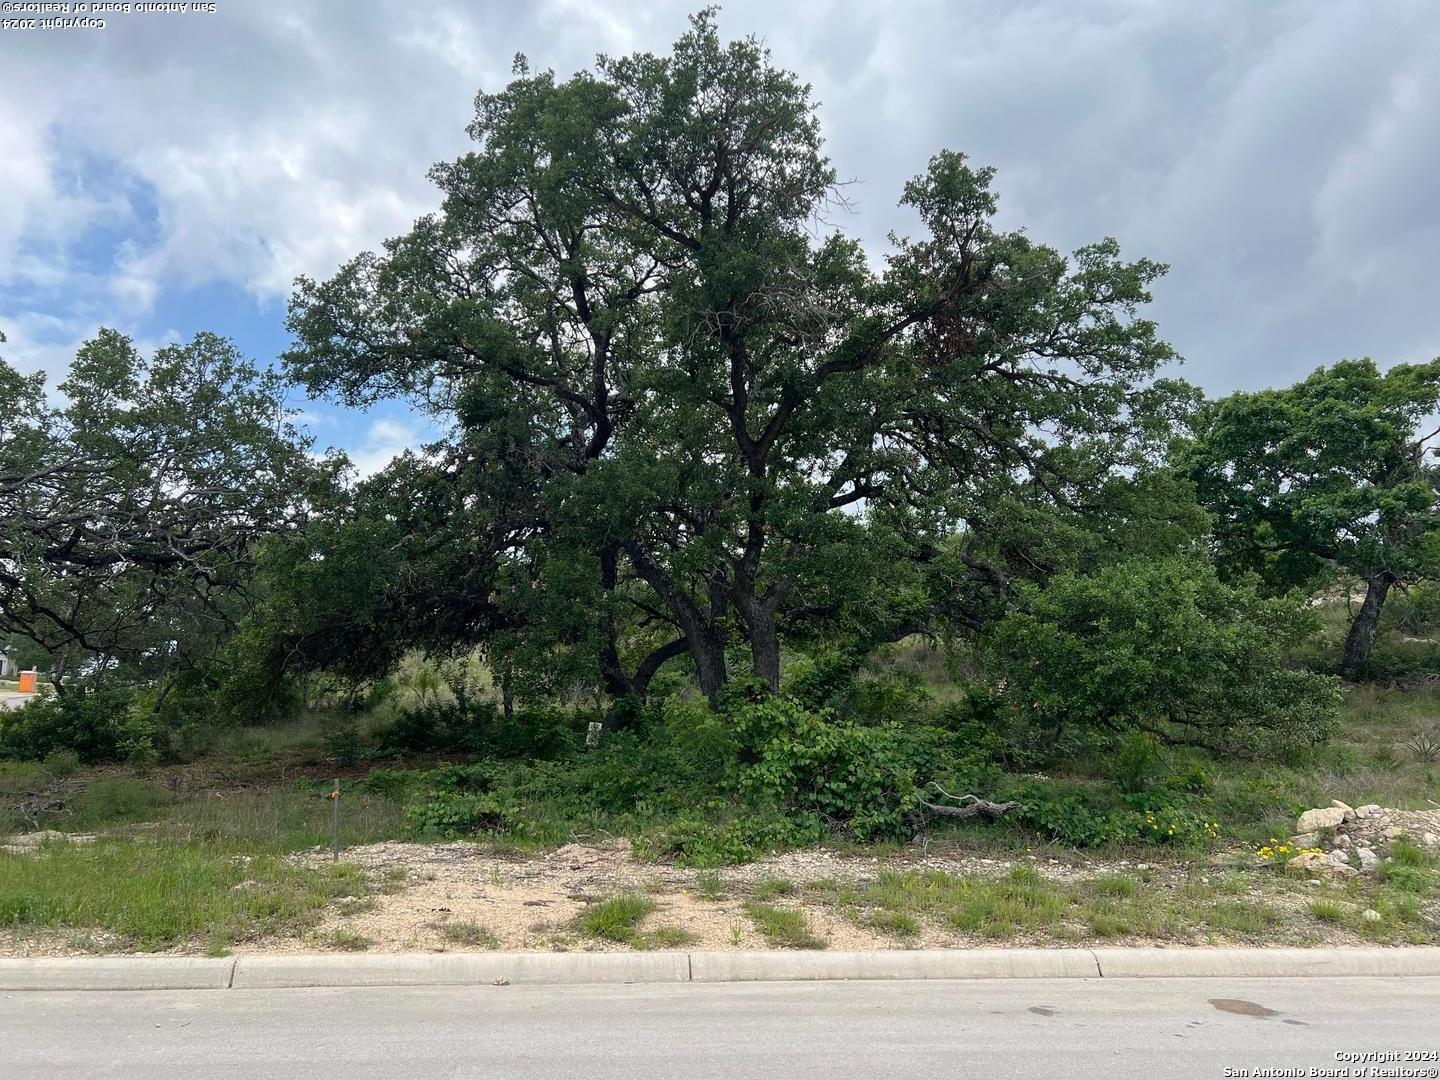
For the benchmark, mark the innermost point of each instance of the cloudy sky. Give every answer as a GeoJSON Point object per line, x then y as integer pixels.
{"type": "Point", "coordinates": [171, 173]}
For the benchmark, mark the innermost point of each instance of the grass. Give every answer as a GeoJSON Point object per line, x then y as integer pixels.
{"type": "Point", "coordinates": [784, 927]}
{"type": "Point", "coordinates": [472, 935]}
{"type": "Point", "coordinates": [891, 922]}
{"type": "Point", "coordinates": [709, 885]}
{"type": "Point", "coordinates": [1025, 905]}
{"type": "Point", "coordinates": [283, 819]}
{"type": "Point", "coordinates": [668, 937]}
{"type": "Point", "coordinates": [616, 919]}
{"type": "Point", "coordinates": [347, 940]}
{"type": "Point", "coordinates": [770, 888]}
{"type": "Point", "coordinates": [120, 800]}
{"type": "Point", "coordinates": [158, 894]}
{"type": "Point", "coordinates": [1330, 911]}
{"type": "Point", "coordinates": [211, 816]}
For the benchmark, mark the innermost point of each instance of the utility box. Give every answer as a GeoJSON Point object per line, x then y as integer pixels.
{"type": "Point", "coordinates": [27, 682]}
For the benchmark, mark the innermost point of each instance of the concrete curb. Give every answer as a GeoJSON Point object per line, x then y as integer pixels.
{"type": "Point", "coordinates": [479, 969]}
{"type": "Point", "coordinates": [919, 964]}
{"type": "Point", "coordinates": [459, 969]}
{"type": "Point", "coordinates": [1263, 963]}
{"type": "Point", "coordinates": [117, 973]}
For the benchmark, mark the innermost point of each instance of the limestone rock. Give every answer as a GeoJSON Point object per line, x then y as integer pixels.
{"type": "Point", "coordinates": [1368, 860]}
{"type": "Point", "coordinates": [1370, 915]}
{"type": "Point", "coordinates": [1331, 865]}
{"type": "Point", "coordinates": [1345, 808]}
{"type": "Point", "coordinates": [1343, 841]}
{"type": "Point", "coordinates": [1366, 811]}
{"type": "Point", "coordinates": [1393, 832]}
{"type": "Point", "coordinates": [1326, 817]}
{"type": "Point", "coordinates": [1304, 840]}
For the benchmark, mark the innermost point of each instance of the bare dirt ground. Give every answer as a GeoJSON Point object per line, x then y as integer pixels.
{"type": "Point", "coordinates": [463, 896]}
{"type": "Point", "coordinates": [529, 902]}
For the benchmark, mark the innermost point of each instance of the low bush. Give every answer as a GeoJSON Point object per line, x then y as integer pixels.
{"type": "Point", "coordinates": [1163, 646]}
{"type": "Point", "coordinates": [477, 727]}
{"type": "Point", "coordinates": [863, 780]}
{"type": "Point", "coordinates": [98, 725]}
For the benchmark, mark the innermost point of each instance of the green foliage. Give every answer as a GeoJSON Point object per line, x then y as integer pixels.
{"type": "Point", "coordinates": [663, 393]}
{"type": "Point", "coordinates": [452, 813]}
{"type": "Point", "coordinates": [1321, 474]}
{"type": "Point", "coordinates": [1165, 647]}
{"type": "Point", "coordinates": [717, 836]}
{"type": "Point", "coordinates": [1323, 480]}
{"type": "Point", "coordinates": [97, 724]}
{"type": "Point", "coordinates": [477, 727]}
{"type": "Point", "coordinates": [1132, 761]}
{"type": "Point", "coordinates": [1407, 878]}
{"type": "Point", "coordinates": [858, 778]}
{"type": "Point", "coordinates": [130, 514]}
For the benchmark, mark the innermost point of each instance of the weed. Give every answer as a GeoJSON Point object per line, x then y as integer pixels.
{"type": "Point", "coordinates": [470, 934]}
{"type": "Point", "coordinates": [347, 940]}
{"type": "Point", "coordinates": [891, 922]}
{"type": "Point", "coordinates": [1330, 911]}
{"type": "Point", "coordinates": [785, 927]}
{"type": "Point", "coordinates": [158, 894]}
{"type": "Point", "coordinates": [667, 937]}
{"type": "Point", "coordinates": [709, 885]}
{"type": "Point", "coordinates": [770, 888]}
{"type": "Point", "coordinates": [109, 802]}
{"type": "Point", "coordinates": [615, 919]}
{"type": "Point", "coordinates": [1114, 885]}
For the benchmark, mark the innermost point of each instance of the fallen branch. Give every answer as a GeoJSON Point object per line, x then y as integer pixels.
{"type": "Point", "coordinates": [969, 805]}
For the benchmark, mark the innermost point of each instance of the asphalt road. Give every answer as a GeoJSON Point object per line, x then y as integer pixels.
{"type": "Point", "coordinates": [1150, 1028]}
{"type": "Point", "coordinates": [11, 700]}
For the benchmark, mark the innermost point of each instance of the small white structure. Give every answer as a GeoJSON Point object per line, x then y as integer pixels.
{"type": "Point", "coordinates": [8, 668]}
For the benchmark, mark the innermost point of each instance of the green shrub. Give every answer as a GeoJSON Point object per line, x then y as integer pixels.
{"type": "Point", "coordinates": [1407, 878]}
{"type": "Point", "coordinates": [709, 840]}
{"type": "Point", "coordinates": [863, 779]}
{"type": "Point", "coordinates": [477, 727]}
{"type": "Point", "coordinates": [1133, 761]}
{"type": "Point", "coordinates": [450, 814]}
{"type": "Point", "coordinates": [98, 725]}
{"type": "Point", "coordinates": [1163, 645]}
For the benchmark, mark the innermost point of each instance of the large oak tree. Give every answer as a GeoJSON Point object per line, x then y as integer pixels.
{"type": "Point", "coordinates": [132, 506]}
{"type": "Point", "coordinates": [1331, 477]}
{"type": "Point", "coordinates": [687, 414]}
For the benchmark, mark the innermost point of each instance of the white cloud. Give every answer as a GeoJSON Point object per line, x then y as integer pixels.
{"type": "Point", "coordinates": [384, 441]}
{"type": "Point", "coordinates": [1280, 156]}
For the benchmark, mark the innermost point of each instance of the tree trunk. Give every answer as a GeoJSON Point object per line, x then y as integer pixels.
{"type": "Point", "coordinates": [57, 672]}
{"type": "Point", "coordinates": [703, 636]}
{"type": "Point", "coordinates": [1361, 638]}
{"type": "Point", "coordinates": [764, 645]}
{"type": "Point", "coordinates": [708, 652]}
